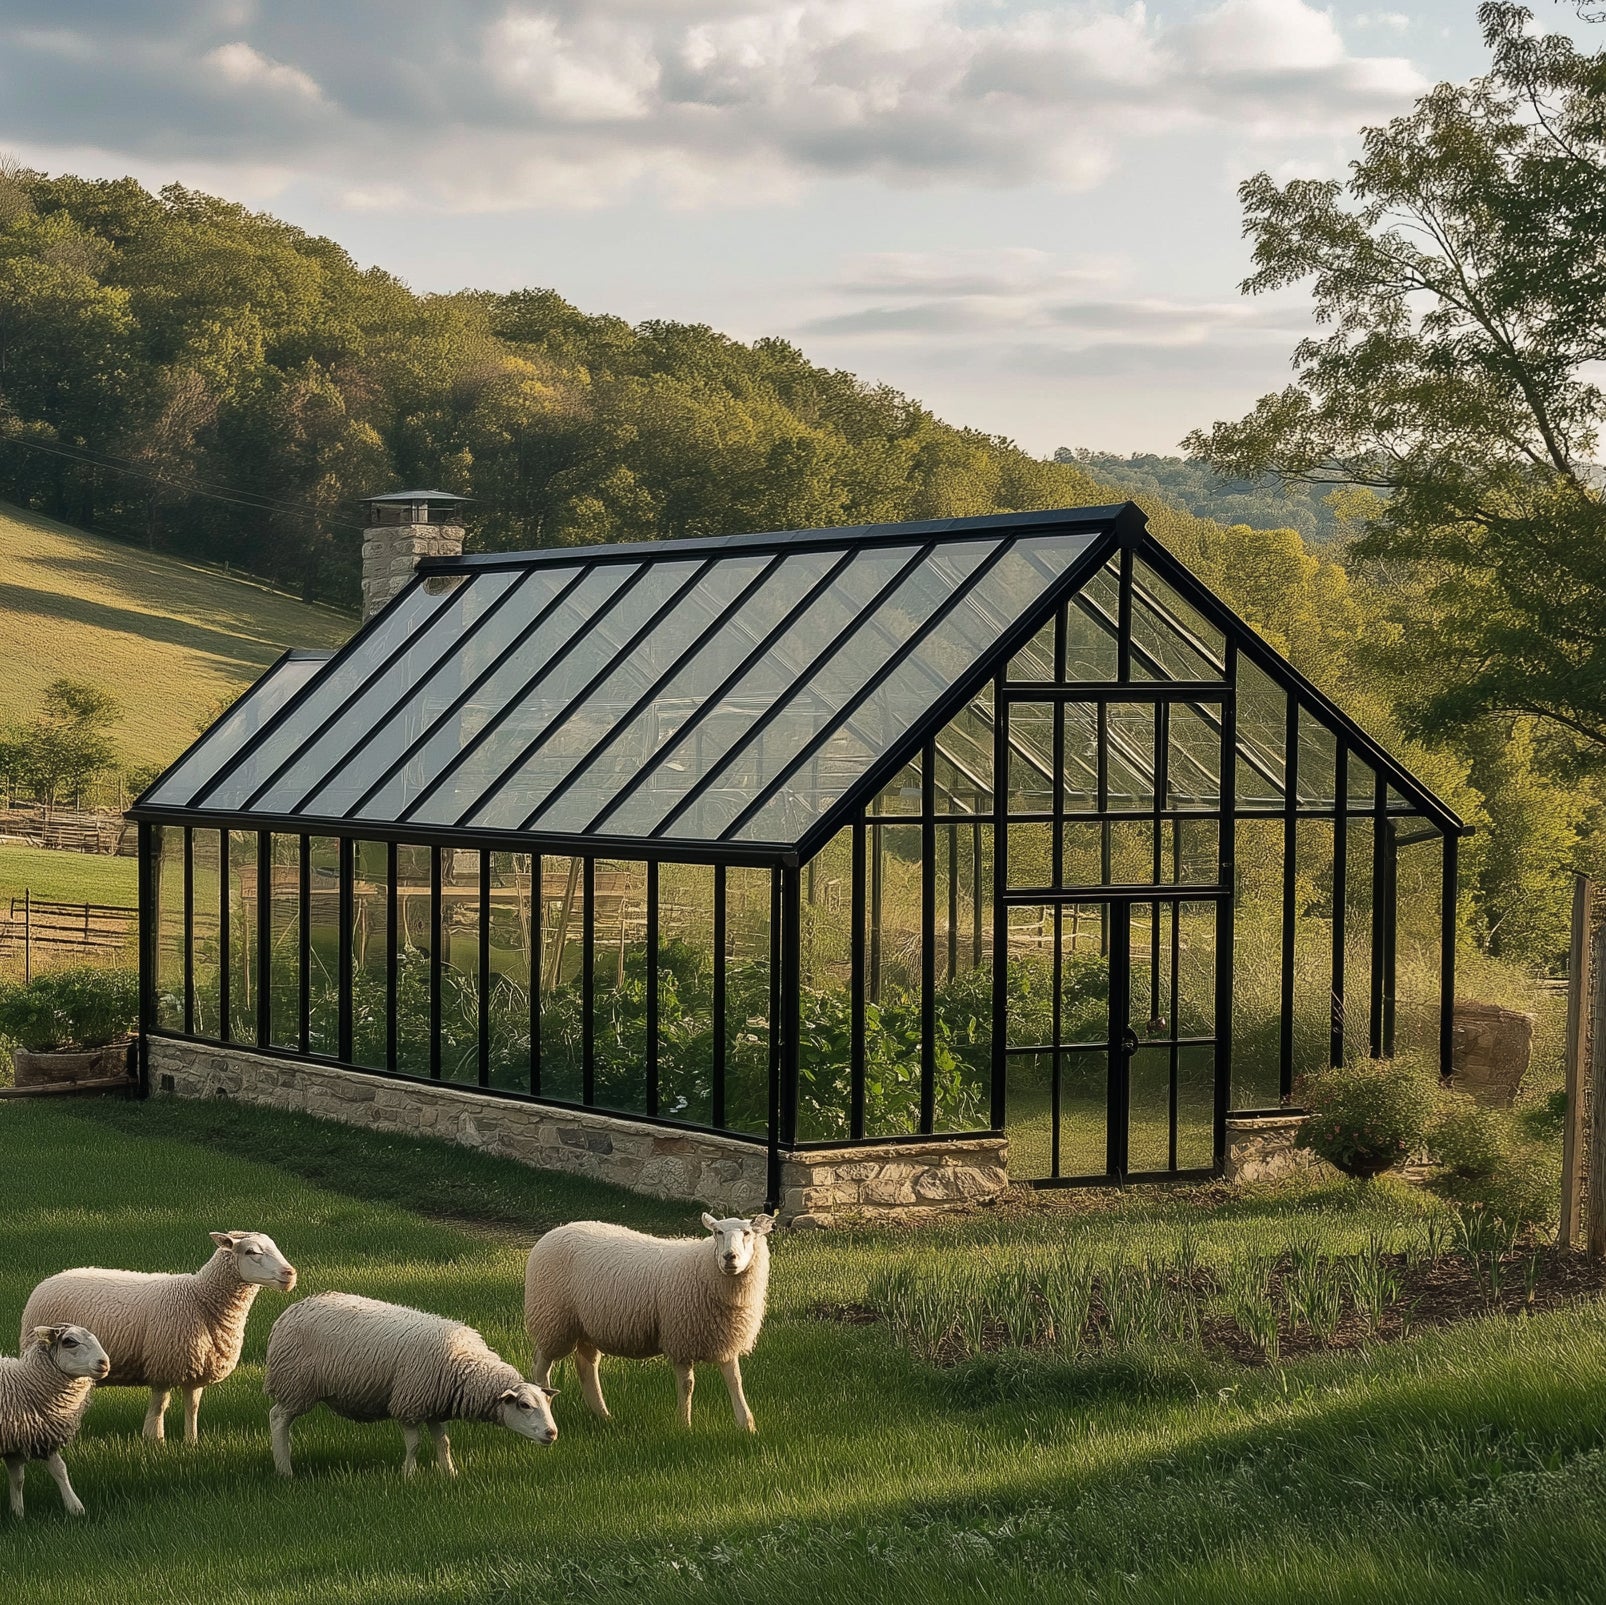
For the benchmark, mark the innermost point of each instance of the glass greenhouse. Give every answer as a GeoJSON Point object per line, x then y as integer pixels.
{"type": "Point", "coordinates": [1003, 824]}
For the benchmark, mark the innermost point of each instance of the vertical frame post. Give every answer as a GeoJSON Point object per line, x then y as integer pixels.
{"type": "Point", "coordinates": [1379, 956]}
{"type": "Point", "coordinates": [436, 924]}
{"type": "Point", "coordinates": [1447, 927]}
{"type": "Point", "coordinates": [189, 932]}
{"type": "Point", "coordinates": [928, 938]}
{"type": "Point", "coordinates": [1290, 926]}
{"type": "Point", "coordinates": [483, 1063]}
{"type": "Point", "coordinates": [347, 918]}
{"type": "Point", "coordinates": [856, 988]}
{"type": "Point", "coordinates": [1000, 957]}
{"type": "Point", "coordinates": [789, 884]}
{"type": "Point", "coordinates": [652, 987]}
{"type": "Point", "coordinates": [392, 952]}
{"type": "Point", "coordinates": [716, 1114]}
{"type": "Point", "coordinates": [150, 845]}
{"type": "Point", "coordinates": [588, 982]}
{"type": "Point", "coordinates": [1226, 907]}
{"type": "Point", "coordinates": [1335, 1039]}
{"type": "Point", "coordinates": [537, 923]}
{"type": "Point", "coordinates": [225, 956]}
{"type": "Point", "coordinates": [304, 941]}
{"type": "Point", "coordinates": [1573, 1142]}
{"type": "Point", "coordinates": [773, 1124]}
{"type": "Point", "coordinates": [264, 955]}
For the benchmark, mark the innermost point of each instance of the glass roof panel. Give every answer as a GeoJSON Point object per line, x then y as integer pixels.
{"type": "Point", "coordinates": [468, 756]}
{"type": "Point", "coordinates": [569, 740]}
{"type": "Point", "coordinates": [829, 687]}
{"type": "Point", "coordinates": [725, 721]}
{"type": "Point", "coordinates": [556, 606]}
{"type": "Point", "coordinates": [350, 755]}
{"type": "Point", "coordinates": [635, 745]}
{"type": "Point", "coordinates": [996, 599]}
{"type": "Point", "coordinates": [236, 727]}
{"type": "Point", "coordinates": [404, 643]}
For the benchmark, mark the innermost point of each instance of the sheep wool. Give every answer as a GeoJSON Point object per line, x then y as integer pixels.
{"type": "Point", "coordinates": [371, 1361]}
{"type": "Point", "coordinates": [43, 1396]}
{"type": "Point", "coordinates": [592, 1288]}
{"type": "Point", "coordinates": [165, 1331]}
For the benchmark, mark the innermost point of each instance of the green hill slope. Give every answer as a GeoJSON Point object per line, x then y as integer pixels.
{"type": "Point", "coordinates": [168, 639]}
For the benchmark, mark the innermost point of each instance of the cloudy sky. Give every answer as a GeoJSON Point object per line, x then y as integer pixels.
{"type": "Point", "coordinates": [1022, 211]}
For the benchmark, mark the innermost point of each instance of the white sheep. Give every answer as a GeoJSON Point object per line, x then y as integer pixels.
{"type": "Point", "coordinates": [592, 1289]}
{"type": "Point", "coordinates": [43, 1396]}
{"type": "Point", "coordinates": [370, 1361]}
{"type": "Point", "coordinates": [168, 1331]}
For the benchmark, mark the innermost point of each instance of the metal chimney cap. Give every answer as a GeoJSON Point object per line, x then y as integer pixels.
{"type": "Point", "coordinates": [417, 496]}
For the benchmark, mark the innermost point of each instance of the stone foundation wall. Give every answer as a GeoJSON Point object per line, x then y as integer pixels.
{"type": "Point", "coordinates": [889, 1179]}
{"type": "Point", "coordinates": [905, 1179]}
{"type": "Point", "coordinates": [726, 1176]}
{"type": "Point", "coordinates": [1261, 1148]}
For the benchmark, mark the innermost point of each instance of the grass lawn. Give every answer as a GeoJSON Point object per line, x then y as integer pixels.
{"type": "Point", "coordinates": [54, 876]}
{"type": "Point", "coordinates": [168, 639]}
{"type": "Point", "coordinates": [1465, 1464]}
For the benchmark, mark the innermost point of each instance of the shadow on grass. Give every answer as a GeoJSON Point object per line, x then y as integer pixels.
{"type": "Point", "coordinates": [423, 1174]}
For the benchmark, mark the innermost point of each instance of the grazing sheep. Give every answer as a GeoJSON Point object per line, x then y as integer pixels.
{"type": "Point", "coordinates": [164, 1331]}
{"type": "Point", "coordinates": [370, 1361]}
{"type": "Point", "coordinates": [43, 1396]}
{"type": "Point", "coordinates": [593, 1289]}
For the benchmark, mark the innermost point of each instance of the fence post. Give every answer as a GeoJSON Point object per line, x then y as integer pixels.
{"type": "Point", "coordinates": [1573, 1146]}
{"type": "Point", "coordinates": [27, 936]}
{"type": "Point", "coordinates": [1595, 1098]}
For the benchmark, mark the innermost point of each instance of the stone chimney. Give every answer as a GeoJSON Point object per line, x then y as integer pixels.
{"type": "Point", "coordinates": [400, 528]}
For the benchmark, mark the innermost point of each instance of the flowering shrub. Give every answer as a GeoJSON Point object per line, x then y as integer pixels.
{"type": "Point", "coordinates": [84, 1007]}
{"type": "Point", "coordinates": [1366, 1117]}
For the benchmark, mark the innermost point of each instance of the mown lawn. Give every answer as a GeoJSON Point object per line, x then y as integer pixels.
{"type": "Point", "coordinates": [51, 875]}
{"type": "Point", "coordinates": [1463, 1465]}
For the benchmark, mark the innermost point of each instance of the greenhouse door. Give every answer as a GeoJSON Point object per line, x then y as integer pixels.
{"type": "Point", "coordinates": [1111, 1061]}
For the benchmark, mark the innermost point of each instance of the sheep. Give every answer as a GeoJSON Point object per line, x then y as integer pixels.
{"type": "Point", "coordinates": [43, 1396]}
{"type": "Point", "coordinates": [168, 1331]}
{"type": "Point", "coordinates": [591, 1289]}
{"type": "Point", "coordinates": [371, 1361]}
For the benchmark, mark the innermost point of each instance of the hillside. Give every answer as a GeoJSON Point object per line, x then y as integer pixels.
{"type": "Point", "coordinates": [169, 639]}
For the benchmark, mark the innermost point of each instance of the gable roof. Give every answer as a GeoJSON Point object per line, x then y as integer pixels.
{"type": "Point", "coordinates": [726, 697]}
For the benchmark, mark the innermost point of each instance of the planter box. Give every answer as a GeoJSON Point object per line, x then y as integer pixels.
{"type": "Point", "coordinates": [77, 1064]}
{"type": "Point", "coordinates": [1491, 1050]}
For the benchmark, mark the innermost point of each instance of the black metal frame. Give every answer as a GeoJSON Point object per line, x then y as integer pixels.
{"type": "Point", "coordinates": [1120, 546]}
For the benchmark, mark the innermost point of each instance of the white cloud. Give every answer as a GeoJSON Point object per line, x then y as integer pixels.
{"type": "Point", "coordinates": [489, 104]}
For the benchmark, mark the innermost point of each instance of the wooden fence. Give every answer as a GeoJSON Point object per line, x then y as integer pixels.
{"type": "Point", "coordinates": [1583, 1154]}
{"type": "Point", "coordinates": [34, 929]}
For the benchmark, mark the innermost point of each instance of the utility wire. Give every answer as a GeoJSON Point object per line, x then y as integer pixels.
{"type": "Point", "coordinates": [257, 504]}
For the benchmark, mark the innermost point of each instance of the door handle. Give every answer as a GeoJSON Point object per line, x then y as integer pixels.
{"type": "Point", "coordinates": [1129, 1042]}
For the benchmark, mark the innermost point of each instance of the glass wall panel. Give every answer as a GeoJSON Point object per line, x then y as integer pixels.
{"type": "Point", "coordinates": [618, 919]}
{"type": "Point", "coordinates": [242, 936]}
{"type": "Point", "coordinates": [370, 953]}
{"type": "Point", "coordinates": [1131, 736]}
{"type": "Point", "coordinates": [169, 846]}
{"type": "Point", "coordinates": [205, 853]}
{"type": "Point", "coordinates": [323, 946]}
{"type": "Point", "coordinates": [963, 779]}
{"type": "Point", "coordinates": [1262, 732]}
{"type": "Point", "coordinates": [825, 1029]}
{"type": "Point", "coordinates": [1419, 883]}
{"type": "Point", "coordinates": [284, 957]}
{"type": "Point", "coordinates": [962, 936]}
{"type": "Point", "coordinates": [896, 940]}
{"type": "Point", "coordinates": [1315, 781]}
{"type": "Point", "coordinates": [747, 987]}
{"type": "Point", "coordinates": [1313, 945]}
{"type": "Point", "coordinates": [562, 956]}
{"type": "Point", "coordinates": [1171, 637]}
{"type": "Point", "coordinates": [511, 924]}
{"type": "Point", "coordinates": [1193, 757]}
{"type": "Point", "coordinates": [1091, 648]}
{"type": "Point", "coordinates": [460, 964]}
{"type": "Point", "coordinates": [686, 988]}
{"type": "Point", "coordinates": [1035, 661]}
{"type": "Point", "coordinates": [1196, 1107]}
{"type": "Point", "coordinates": [415, 942]}
{"type": "Point", "coordinates": [1257, 976]}
{"type": "Point", "coordinates": [1358, 938]}
{"type": "Point", "coordinates": [1079, 779]}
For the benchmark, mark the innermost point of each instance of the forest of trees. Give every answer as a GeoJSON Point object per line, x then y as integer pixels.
{"type": "Point", "coordinates": [180, 372]}
{"type": "Point", "coordinates": [1263, 503]}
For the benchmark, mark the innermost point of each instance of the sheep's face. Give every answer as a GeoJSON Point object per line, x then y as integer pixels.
{"type": "Point", "coordinates": [73, 1351]}
{"type": "Point", "coordinates": [257, 1259]}
{"type": "Point", "coordinates": [736, 1240]}
{"type": "Point", "coordinates": [527, 1410]}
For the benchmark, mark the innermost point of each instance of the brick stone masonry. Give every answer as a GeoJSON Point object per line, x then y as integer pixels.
{"type": "Point", "coordinates": [390, 553]}
{"type": "Point", "coordinates": [721, 1173]}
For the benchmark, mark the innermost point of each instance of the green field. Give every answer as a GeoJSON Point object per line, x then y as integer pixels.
{"type": "Point", "coordinates": [1462, 1464]}
{"type": "Point", "coordinates": [59, 877]}
{"type": "Point", "coordinates": [168, 639]}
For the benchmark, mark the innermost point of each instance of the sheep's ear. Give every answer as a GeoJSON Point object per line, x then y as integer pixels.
{"type": "Point", "coordinates": [507, 1394]}
{"type": "Point", "coordinates": [710, 1222]}
{"type": "Point", "coordinates": [551, 1393]}
{"type": "Point", "coordinates": [222, 1239]}
{"type": "Point", "coordinates": [763, 1224]}
{"type": "Point", "coordinates": [45, 1336]}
